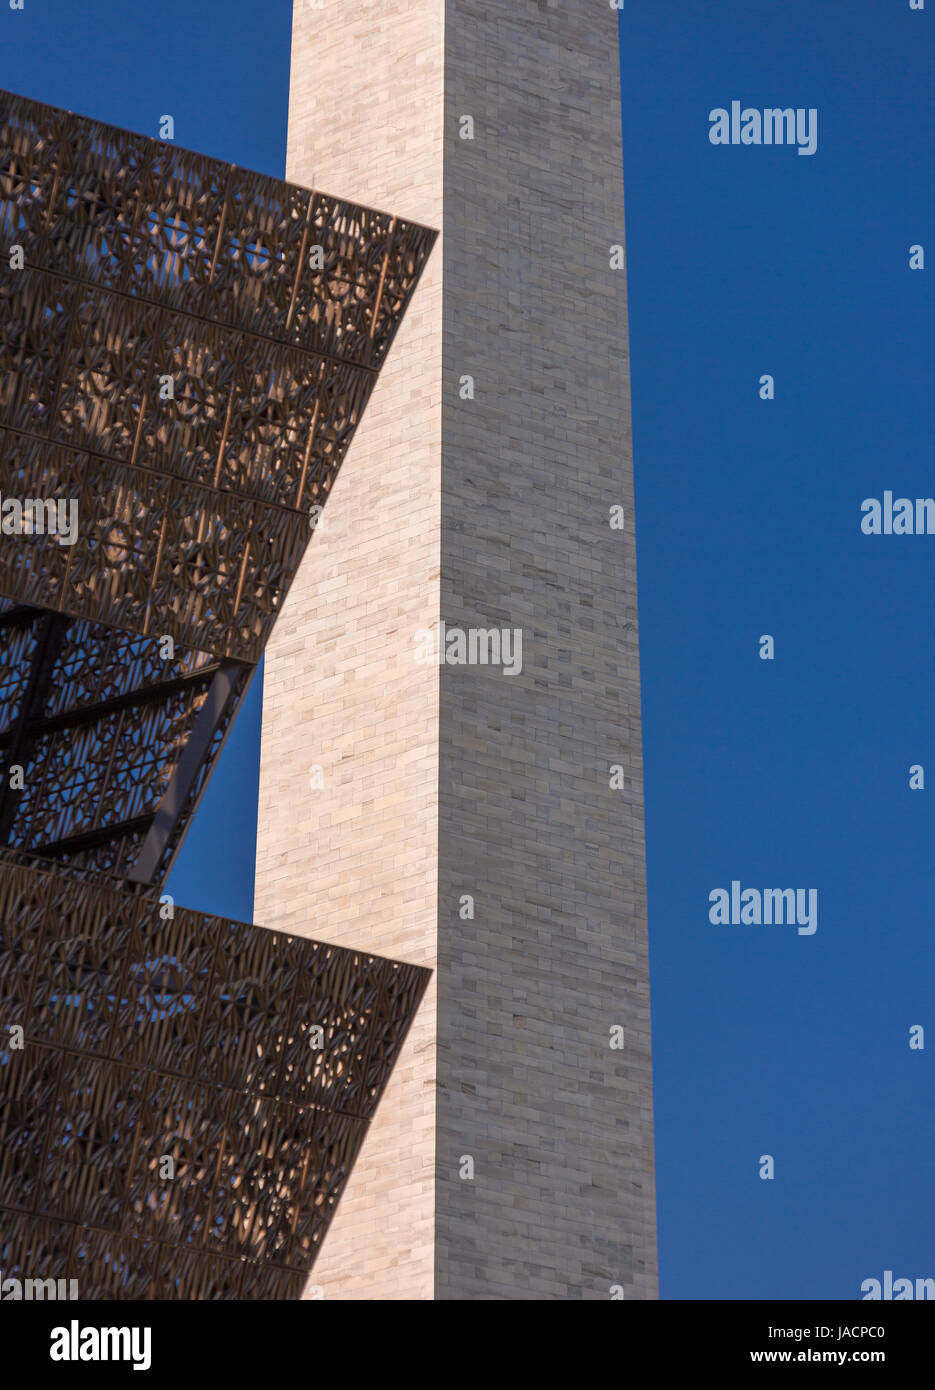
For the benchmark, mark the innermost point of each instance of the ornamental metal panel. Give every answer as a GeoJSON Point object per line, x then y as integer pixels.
{"type": "Point", "coordinates": [115, 743]}
{"type": "Point", "coordinates": [186, 349]}
{"type": "Point", "coordinates": [185, 352]}
{"type": "Point", "coordinates": [183, 1107]}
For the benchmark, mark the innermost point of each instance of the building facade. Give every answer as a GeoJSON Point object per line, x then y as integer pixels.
{"type": "Point", "coordinates": [482, 817]}
{"type": "Point", "coordinates": [186, 349]}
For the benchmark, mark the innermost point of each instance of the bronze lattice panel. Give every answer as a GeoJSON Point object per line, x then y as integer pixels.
{"type": "Point", "coordinates": [143, 260]}
{"type": "Point", "coordinates": [187, 1038]}
{"type": "Point", "coordinates": [101, 740]}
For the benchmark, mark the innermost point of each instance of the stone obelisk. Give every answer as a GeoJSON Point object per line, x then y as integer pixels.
{"type": "Point", "coordinates": [483, 819]}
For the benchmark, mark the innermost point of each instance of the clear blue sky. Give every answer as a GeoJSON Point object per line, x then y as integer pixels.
{"type": "Point", "coordinates": [790, 773]}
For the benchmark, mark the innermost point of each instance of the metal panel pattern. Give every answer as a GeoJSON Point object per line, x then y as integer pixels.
{"type": "Point", "coordinates": [188, 1039]}
{"type": "Point", "coordinates": [270, 307]}
{"type": "Point", "coordinates": [142, 217]}
{"type": "Point", "coordinates": [252, 1060]}
{"type": "Point", "coordinates": [103, 737]}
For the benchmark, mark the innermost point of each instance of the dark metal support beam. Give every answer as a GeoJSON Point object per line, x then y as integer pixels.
{"type": "Point", "coordinates": [20, 615]}
{"type": "Point", "coordinates": [143, 695]}
{"type": "Point", "coordinates": [186, 773]}
{"type": "Point", "coordinates": [89, 839]}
